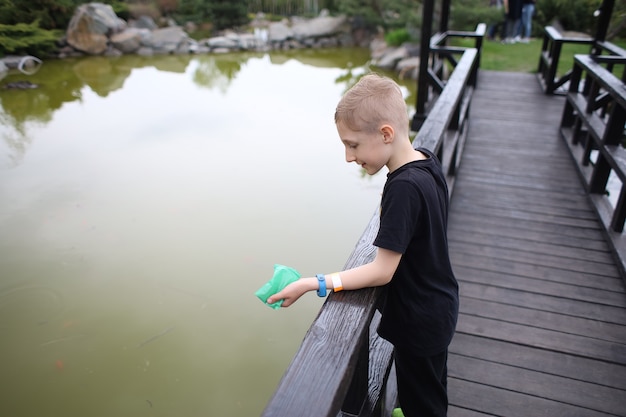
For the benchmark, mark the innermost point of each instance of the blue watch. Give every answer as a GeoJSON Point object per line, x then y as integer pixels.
{"type": "Point", "coordinates": [321, 279]}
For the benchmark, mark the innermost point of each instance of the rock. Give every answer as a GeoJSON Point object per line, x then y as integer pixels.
{"type": "Point", "coordinates": [248, 41]}
{"type": "Point", "coordinates": [319, 27]}
{"type": "Point", "coordinates": [168, 40]}
{"type": "Point", "coordinates": [378, 47]}
{"type": "Point", "coordinates": [278, 32]}
{"type": "Point", "coordinates": [20, 85]}
{"type": "Point", "coordinates": [145, 51]}
{"type": "Point", "coordinates": [408, 68]}
{"type": "Point", "coordinates": [144, 22]}
{"type": "Point", "coordinates": [390, 58]}
{"type": "Point", "coordinates": [129, 40]}
{"type": "Point", "coordinates": [4, 70]}
{"type": "Point", "coordinates": [90, 27]}
{"type": "Point", "coordinates": [222, 42]}
{"type": "Point", "coordinates": [96, 30]}
{"type": "Point", "coordinates": [112, 52]}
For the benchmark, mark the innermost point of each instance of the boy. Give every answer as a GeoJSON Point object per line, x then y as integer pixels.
{"type": "Point", "coordinates": [421, 302]}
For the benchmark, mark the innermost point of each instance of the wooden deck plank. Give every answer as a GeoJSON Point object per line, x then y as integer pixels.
{"type": "Point", "coordinates": [536, 285]}
{"type": "Point", "coordinates": [536, 258]}
{"type": "Point", "coordinates": [538, 384]}
{"type": "Point", "coordinates": [542, 326]}
{"type": "Point", "coordinates": [476, 221]}
{"type": "Point", "coordinates": [538, 300]}
{"type": "Point", "coordinates": [497, 401]}
{"type": "Point", "coordinates": [504, 268]}
{"type": "Point", "coordinates": [482, 237]}
{"type": "Point", "coordinates": [558, 322]}
{"type": "Point", "coordinates": [549, 362]}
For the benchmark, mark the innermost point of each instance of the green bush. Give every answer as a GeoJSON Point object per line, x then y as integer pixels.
{"type": "Point", "coordinates": [388, 14]}
{"type": "Point", "coordinates": [51, 14]}
{"type": "Point", "coordinates": [397, 37]}
{"type": "Point", "coordinates": [121, 9]}
{"type": "Point", "coordinates": [466, 15]}
{"type": "Point", "coordinates": [573, 15]}
{"type": "Point", "coordinates": [228, 14]}
{"type": "Point", "coordinates": [29, 39]}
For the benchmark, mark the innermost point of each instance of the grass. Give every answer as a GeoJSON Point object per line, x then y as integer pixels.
{"type": "Point", "coordinates": [521, 57]}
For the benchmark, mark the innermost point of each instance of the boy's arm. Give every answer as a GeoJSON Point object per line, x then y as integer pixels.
{"type": "Point", "coordinates": [376, 273]}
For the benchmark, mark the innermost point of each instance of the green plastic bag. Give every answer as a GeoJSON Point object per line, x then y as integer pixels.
{"type": "Point", "coordinates": [397, 412]}
{"type": "Point", "coordinates": [283, 276]}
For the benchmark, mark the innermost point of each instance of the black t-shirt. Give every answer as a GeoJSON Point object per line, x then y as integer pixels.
{"type": "Point", "coordinates": [421, 304]}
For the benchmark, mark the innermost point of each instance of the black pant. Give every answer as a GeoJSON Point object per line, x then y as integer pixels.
{"type": "Point", "coordinates": [422, 383]}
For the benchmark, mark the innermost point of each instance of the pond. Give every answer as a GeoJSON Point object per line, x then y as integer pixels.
{"type": "Point", "coordinates": [143, 202]}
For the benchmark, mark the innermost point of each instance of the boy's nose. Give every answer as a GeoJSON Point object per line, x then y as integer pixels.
{"type": "Point", "coordinates": [350, 156]}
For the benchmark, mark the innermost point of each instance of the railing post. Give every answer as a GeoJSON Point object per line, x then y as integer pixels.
{"type": "Point", "coordinates": [422, 78]}
{"type": "Point", "coordinates": [541, 68]}
{"type": "Point", "coordinates": [555, 55]}
{"type": "Point", "coordinates": [568, 117]}
{"type": "Point", "coordinates": [615, 126]}
{"type": "Point", "coordinates": [619, 215]}
{"type": "Point", "coordinates": [606, 10]}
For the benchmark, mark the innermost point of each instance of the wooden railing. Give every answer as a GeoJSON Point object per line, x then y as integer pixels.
{"type": "Point", "coordinates": [593, 125]}
{"type": "Point", "coordinates": [551, 49]}
{"type": "Point", "coordinates": [342, 367]}
{"type": "Point", "coordinates": [443, 53]}
{"type": "Point", "coordinates": [551, 54]}
{"type": "Point", "coordinates": [434, 65]}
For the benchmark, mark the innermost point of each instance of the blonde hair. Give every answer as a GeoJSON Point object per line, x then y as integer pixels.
{"type": "Point", "coordinates": [373, 101]}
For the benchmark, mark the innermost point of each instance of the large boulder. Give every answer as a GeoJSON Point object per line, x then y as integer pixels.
{"type": "Point", "coordinates": [319, 27]}
{"type": "Point", "coordinates": [129, 40]}
{"type": "Point", "coordinates": [279, 32]}
{"type": "Point", "coordinates": [170, 40]}
{"type": "Point", "coordinates": [90, 27]}
{"type": "Point", "coordinates": [390, 58]}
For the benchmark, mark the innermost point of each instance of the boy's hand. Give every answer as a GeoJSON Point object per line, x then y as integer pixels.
{"type": "Point", "coordinates": [293, 291]}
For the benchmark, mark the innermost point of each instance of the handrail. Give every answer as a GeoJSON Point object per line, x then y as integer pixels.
{"type": "Point", "coordinates": [438, 44]}
{"type": "Point", "coordinates": [435, 69]}
{"type": "Point", "coordinates": [342, 366]}
{"type": "Point", "coordinates": [550, 55]}
{"type": "Point", "coordinates": [593, 126]}
{"type": "Point", "coordinates": [549, 58]}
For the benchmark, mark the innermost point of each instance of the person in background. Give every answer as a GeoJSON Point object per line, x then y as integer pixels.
{"type": "Point", "coordinates": [498, 27]}
{"type": "Point", "coordinates": [525, 29]}
{"type": "Point", "coordinates": [513, 13]}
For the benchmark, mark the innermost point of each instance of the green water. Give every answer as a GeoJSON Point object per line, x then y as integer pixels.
{"type": "Point", "coordinates": [142, 202]}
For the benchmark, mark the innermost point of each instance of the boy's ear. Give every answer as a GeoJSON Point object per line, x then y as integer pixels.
{"type": "Point", "coordinates": [388, 133]}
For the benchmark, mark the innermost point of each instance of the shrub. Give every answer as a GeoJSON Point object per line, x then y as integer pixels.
{"type": "Point", "coordinates": [397, 37]}
{"type": "Point", "coordinates": [28, 39]}
{"type": "Point", "coordinates": [466, 15]}
{"type": "Point", "coordinates": [227, 14]}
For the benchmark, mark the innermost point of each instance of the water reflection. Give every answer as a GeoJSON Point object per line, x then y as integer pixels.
{"type": "Point", "coordinates": [63, 81]}
{"type": "Point", "coordinates": [143, 201]}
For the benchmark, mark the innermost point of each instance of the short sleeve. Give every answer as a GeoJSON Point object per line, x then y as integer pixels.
{"type": "Point", "coordinates": [399, 215]}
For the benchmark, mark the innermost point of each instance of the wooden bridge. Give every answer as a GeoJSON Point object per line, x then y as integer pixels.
{"type": "Point", "coordinates": [542, 329]}
{"type": "Point", "coordinates": [538, 204]}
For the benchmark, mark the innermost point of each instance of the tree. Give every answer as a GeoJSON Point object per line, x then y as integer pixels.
{"type": "Point", "coordinates": [51, 14]}
{"type": "Point", "coordinates": [227, 14]}
{"type": "Point", "coordinates": [197, 11]}
{"type": "Point", "coordinates": [390, 14]}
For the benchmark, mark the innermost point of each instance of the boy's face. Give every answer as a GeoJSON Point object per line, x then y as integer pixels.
{"type": "Point", "coordinates": [370, 150]}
